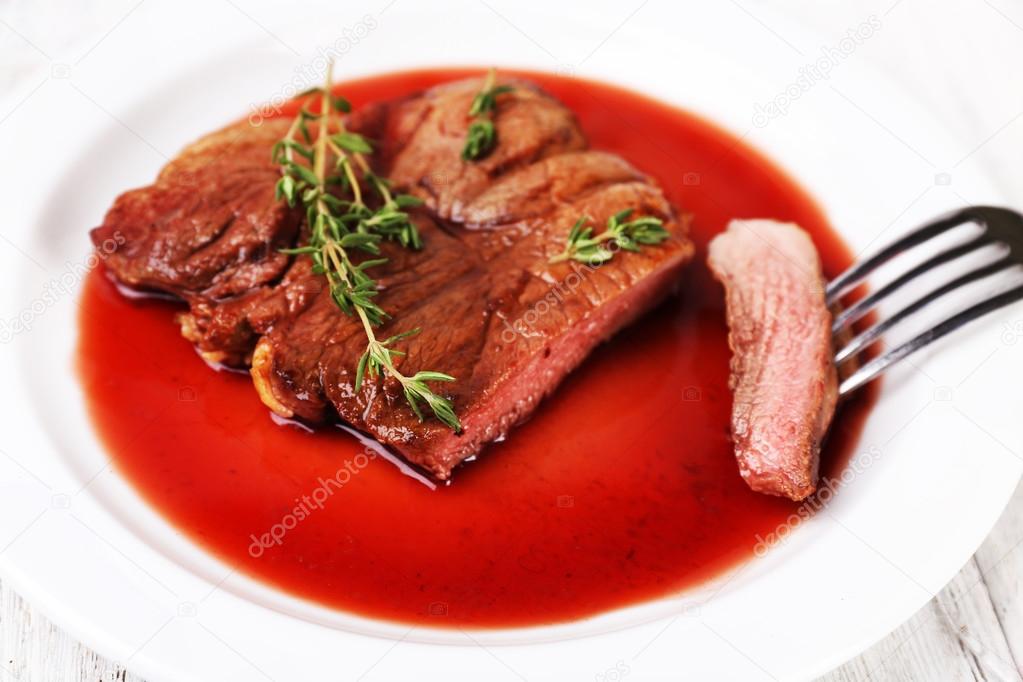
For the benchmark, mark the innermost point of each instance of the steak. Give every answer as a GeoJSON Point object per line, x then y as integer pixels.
{"type": "Point", "coordinates": [210, 232]}
{"type": "Point", "coordinates": [783, 378]}
{"type": "Point", "coordinates": [492, 312]}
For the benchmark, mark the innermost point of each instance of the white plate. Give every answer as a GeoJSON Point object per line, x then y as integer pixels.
{"type": "Point", "coordinates": [78, 541]}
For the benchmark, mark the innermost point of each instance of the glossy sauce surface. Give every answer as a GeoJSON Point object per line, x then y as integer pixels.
{"type": "Point", "coordinates": [621, 488]}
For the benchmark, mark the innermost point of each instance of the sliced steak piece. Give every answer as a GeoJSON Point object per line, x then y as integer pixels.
{"type": "Point", "coordinates": [509, 329]}
{"type": "Point", "coordinates": [423, 138]}
{"type": "Point", "coordinates": [783, 377]}
{"type": "Point", "coordinates": [208, 230]}
{"type": "Point", "coordinates": [209, 225]}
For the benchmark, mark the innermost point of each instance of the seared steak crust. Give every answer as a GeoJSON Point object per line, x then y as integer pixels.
{"type": "Point", "coordinates": [783, 375]}
{"type": "Point", "coordinates": [492, 312]}
{"type": "Point", "coordinates": [209, 231]}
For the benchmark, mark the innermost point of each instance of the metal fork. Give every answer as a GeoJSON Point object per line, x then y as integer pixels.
{"type": "Point", "coordinates": [1000, 226]}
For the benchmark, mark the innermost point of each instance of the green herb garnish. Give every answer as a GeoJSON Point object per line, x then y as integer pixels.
{"type": "Point", "coordinates": [582, 246]}
{"type": "Point", "coordinates": [341, 223]}
{"type": "Point", "coordinates": [482, 134]}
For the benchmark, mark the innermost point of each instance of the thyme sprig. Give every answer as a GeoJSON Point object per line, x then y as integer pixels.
{"type": "Point", "coordinates": [482, 134]}
{"type": "Point", "coordinates": [584, 247]}
{"type": "Point", "coordinates": [341, 223]}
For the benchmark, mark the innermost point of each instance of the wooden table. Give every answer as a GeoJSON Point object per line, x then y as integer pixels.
{"type": "Point", "coordinates": [961, 57]}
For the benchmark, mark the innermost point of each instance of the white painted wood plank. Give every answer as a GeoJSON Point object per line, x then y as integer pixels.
{"type": "Point", "coordinates": [967, 610]}
{"type": "Point", "coordinates": [1001, 564]}
{"type": "Point", "coordinates": [33, 650]}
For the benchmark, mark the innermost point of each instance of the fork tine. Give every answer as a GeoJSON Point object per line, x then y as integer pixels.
{"type": "Point", "coordinates": [854, 275]}
{"type": "Point", "coordinates": [865, 304]}
{"type": "Point", "coordinates": [871, 369]}
{"type": "Point", "coordinates": [866, 338]}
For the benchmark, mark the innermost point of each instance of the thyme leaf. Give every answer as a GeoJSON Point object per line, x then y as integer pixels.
{"type": "Point", "coordinates": [342, 224]}
{"type": "Point", "coordinates": [481, 136]}
{"type": "Point", "coordinates": [583, 246]}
